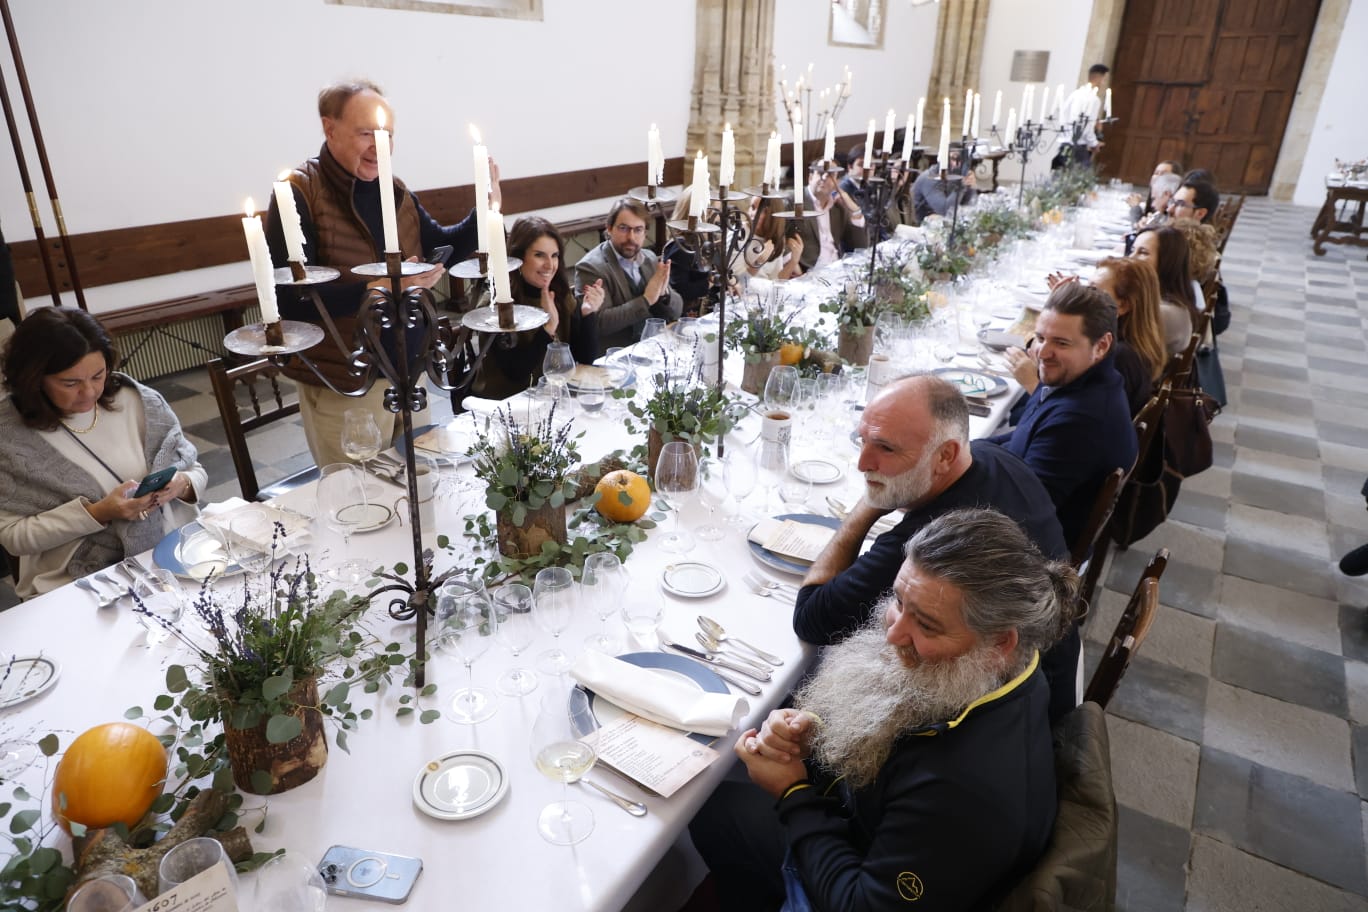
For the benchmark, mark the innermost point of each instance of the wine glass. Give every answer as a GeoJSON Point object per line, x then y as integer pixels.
{"type": "Point", "coordinates": [468, 625]}
{"type": "Point", "coordinates": [713, 493]}
{"type": "Point", "coordinates": [360, 436]}
{"type": "Point", "coordinates": [553, 593]}
{"type": "Point", "coordinates": [793, 489]}
{"type": "Point", "coordinates": [676, 477]}
{"type": "Point", "coordinates": [558, 365]}
{"type": "Point", "coordinates": [106, 893]}
{"type": "Point", "coordinates": [560, 755]}
{"type": "Point", "coordinates": [250, 542]}
{"type": "Point", "coordinates": [781, 388]}
{"type": "Point", "coordinates": [739, 472]}
{"type": "Point", "coordinates": [341, 505]}
{"type": "Point", "coordinates": [603, 582]}
{"type": "Point", "coordinates": [289, 883]}
{"type": "Point", "coordinates": [771, 465]}
{"type": "Point", "coordinates": [513, 604]}
{"type": "Point", "coordinates": [194, 856]}
{"type": "Point", "coordinates": [649, 354]}
{"type": "Point", "coordinates": [162, 602]}
{"type": "Point", "coordinates": [16, 754]}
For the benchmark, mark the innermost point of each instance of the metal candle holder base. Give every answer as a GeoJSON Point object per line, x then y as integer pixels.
{"type": "Point", "coordinates": [262, 340]}
{"type": "Point", "coordinates": [652, 194]}
{"type": "Point", "coordinates": [477, 267]}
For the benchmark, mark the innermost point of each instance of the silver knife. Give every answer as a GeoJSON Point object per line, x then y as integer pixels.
{"type": "Point", "coordinates": [719, 661]}
{"type": "Point", "coordinates": [731, 654]}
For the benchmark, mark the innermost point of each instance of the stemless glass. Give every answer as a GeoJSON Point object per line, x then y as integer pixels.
{"type": "Point", "coordinates": [289, 883]}
{"type": "Point", "coordinates": [517, 629]}
{"type": "Point", "coordinates": [341, 494]}
{"type": "Point", "coordinates": [603, 582]}
{"type": "Point", "coordinates": [553, 592]}
{"type": "Point", "coordinates": [676, 477]}
{"type": "Point", "coordinates": [793, 490]}
{"type": "Point", "coordinates": [194, 856]}
{"type": "Point", "coordinates": [771, 464]}
{"type": "Point", "coordinates": [469, 623]}
{"type": "Point", "coordinates": [619, 370]}
{"type": "Point", "coordinates": [642, 617]}
{"type": "Point", "coordinates": [106, 893]}
{"type": "Point", "coordinates": [560, 755]}
{"type": "Point", "coordinates": [713, 493]}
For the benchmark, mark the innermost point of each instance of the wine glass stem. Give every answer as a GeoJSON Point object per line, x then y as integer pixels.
{"type": "Point", "coordinates": [365, 501]}
{"type": "Point", "coordinates": [470, 683]}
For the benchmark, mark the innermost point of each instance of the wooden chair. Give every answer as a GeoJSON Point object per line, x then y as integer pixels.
{"type": "Point", "coordinates": [1103, 505]}
{"type": "Point", "coordinates": [1130, 632]}
{"type": "Point", "coordinates": [1223, 219]}
{"type": "Point", "coordinates": [236, 426]}
{"type": "Point", "coordinates": [1179, 369]}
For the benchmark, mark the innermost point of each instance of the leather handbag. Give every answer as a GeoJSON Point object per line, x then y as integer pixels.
{"type": "Point", "coordinates": [1187, 435]}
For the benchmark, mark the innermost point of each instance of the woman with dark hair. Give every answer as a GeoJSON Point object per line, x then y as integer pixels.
{"type": "Point", "coordinates": [75, 437]}
{"type": "Point", "coordinates": [1166, 249]}
{"type": "Point", "coordinates": [515, 362]}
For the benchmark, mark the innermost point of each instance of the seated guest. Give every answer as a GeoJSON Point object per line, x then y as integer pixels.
{"type": "Point", "coordinates": [838, 228]}
{"type": "Point", "coordinates": [1195, 199]}
{"type": "Point", "coordinates": [1166, 250]}
{"type": "Point", "coordinates": [916, 456]}
{"type": "Point", "coordinates": [515, 361]}
{"type": "Point", "coordinates": [1153, 211]}
{"type": "Point", "coordinates": [916, 766]}
{"type": "Point", "coordinates": [1076, 427]}
{"type": "Point", "coordinates": [66, 476]}
{"type": "Point", "coordinates": [774, 250]}
{"type": "Point", "coordinates": [931, 197]}
{"type": "Point", "coordinates": [878, 226]}
{"type": "Point", "coordinates": [635, 285]}
{"type": "Point", "coordinates": [1204, 256]}
{"type": "Point", "coordinates": [1140, 352]}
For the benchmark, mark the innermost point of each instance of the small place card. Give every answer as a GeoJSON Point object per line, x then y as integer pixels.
{"type": "Point", "coordinates": [660, 758]}
{"type": "Point", "coordinates": [788, 538]}
{"type": "Point", "coordinates": [207, 891]}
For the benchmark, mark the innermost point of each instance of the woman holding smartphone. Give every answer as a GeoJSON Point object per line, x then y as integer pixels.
{"type": "Point", "coordinates": [75, 439]}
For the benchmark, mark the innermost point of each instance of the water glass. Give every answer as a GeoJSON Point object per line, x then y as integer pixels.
{"type": "Point", "coordinates": [517, 629]}
{"type": "Point", "coordinates": [591, 396]}
{"type": "Point", "coordinates": [289, 883]}
{"type": "Point", "coordinates": [162, 600]}
{"type": "Point", "coordinates": [200, 552]}
{"type": "Point", "coordinates": [642, 617]}
{"type": "Point", "coordinates": [468, 626]}
{"type": "Point", "coordinates": [712, 493]}
{"type": "Point", "coordinates": [194, 856]}
{"type": "Point", "coordinates": [554, 598]}
{"type": "Point", "coordinates": [603, 582]}
{"type": "Point", "coordinates": [676, 477]}
{"type": "Point", "coordinates": [106, 893]}
{"type": "Point", "coordinates": [558, 364]}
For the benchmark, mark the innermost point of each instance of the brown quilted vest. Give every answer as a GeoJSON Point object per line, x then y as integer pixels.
{"type": "Point", "coordinates": [343, 242]}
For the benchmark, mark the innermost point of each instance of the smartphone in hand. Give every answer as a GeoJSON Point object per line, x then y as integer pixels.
{"type": "Point", "coordinates": [155, 481]}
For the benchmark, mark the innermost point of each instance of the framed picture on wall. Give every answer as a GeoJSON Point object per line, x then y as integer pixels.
{"type": "Point", "coordinates": [505, 9]}
{"type": "Point", "coordinates": [856, 23]}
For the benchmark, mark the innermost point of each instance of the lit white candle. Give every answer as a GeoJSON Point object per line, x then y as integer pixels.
{"type": "Point", "coordinates": [1026, 100]}
{"type": "Point", "coordinates": [908, 133]}
{"type": "Point", "coordinates": [968, 110]}
{"type": "Point", "coordinates": [388, 222]}
{"type": "Point", "coordinates": [890, 123]}
{"type": "Point", "coordinates": [698, 197]}
{"type": "Point", "coordinates": [771, 176]}
{"type": "Point", "coordinates": [869, 142]}
{"type": "Point", "coordinates": [1107, 106]}
{"type": "Point", "coordinates": [943, 151]}
{"type": "Point", "coordinates": [829, 147]}
{"type": "Point", "coordinates": [921, 118]}
{"type": "Point", "coordinates": [975, 121]}
{"type": "Point", "coordinates": [726, 170]}
{"type": "Point", "coordinates": [655, 158]}
{"type": "Point", "coordinates": [997, 109]}
{"type": "Point", "coordinates": [1010, 136]}
{"type": "Point", "coordinates": [498, 256]}
{"type": "Point", "coordinates": [480, 156]}
{"type": "Point", "coordinates": [799, 174]}
{"type": "Point", "coordinates": [1044, 101]}
{"type": "Point", "coordinates": [262, 270]}
{"type": "Point", "coordinates": [1059, 100]}
{"type": "Point", "coordinates": [289, 218]}
{"type": "Point", "coordinates": [845, 87]}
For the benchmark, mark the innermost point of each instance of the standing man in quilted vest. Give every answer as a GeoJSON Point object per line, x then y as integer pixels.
{"type": "Point", "coordinates": [337, 194]}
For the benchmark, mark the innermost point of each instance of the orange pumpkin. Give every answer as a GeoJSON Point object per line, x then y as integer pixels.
{"type": "Point", "coordinates": [790, 353]}
{"type": "Point", "coordinates": [110, 774]}
{"type": "Point", "coordinates": [623, 496]}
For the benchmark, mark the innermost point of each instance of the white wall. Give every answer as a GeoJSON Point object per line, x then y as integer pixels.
{"type": "Point", "coordinates": [1060, 27]}
{"type": "Point", "coordinates": [1340, 130]}
{"type": "Point", "coordinates": [894, 77]}
{"type": "Point", "coordinates": [162, 110]}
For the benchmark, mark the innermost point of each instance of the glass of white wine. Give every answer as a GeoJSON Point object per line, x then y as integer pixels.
{"type": "Point", "coordinates": [560, 755]}
{"type": "Point", "coordinates": [361, 442]}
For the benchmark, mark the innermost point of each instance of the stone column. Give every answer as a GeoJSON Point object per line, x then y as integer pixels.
{"type": "Point", "coordinates": [958, 59]}
{"type": "Point", "coordinates": [733, 83]}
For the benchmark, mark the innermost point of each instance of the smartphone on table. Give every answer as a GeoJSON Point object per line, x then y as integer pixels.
{"type": "Point", "coordinates": [364, 874]}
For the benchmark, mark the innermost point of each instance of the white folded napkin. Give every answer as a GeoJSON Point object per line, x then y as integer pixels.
{"type": "Point", "coordinates": [658, 697]}
{"type": "Point", "coordinates": [216, 517]}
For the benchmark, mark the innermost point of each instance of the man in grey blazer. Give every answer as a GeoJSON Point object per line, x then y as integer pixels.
{"type": "Point", "coordinates": [636, 285]}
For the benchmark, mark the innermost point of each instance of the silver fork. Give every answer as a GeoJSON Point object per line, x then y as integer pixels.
{"type": "Point", "coordinates": [758, 581]}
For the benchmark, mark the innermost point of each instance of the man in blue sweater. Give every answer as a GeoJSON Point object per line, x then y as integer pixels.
{"type": "Point", "coordinates": [1076, 427]}
{"type": "Point", "coordinates": [916, 456]}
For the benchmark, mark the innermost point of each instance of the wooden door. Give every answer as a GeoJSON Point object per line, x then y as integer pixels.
{"type": "Point", "coordinates": [1209, 83]}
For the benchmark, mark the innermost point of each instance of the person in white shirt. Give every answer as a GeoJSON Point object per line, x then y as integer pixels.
{"type": "Point", "coordinates": [1078, 143]}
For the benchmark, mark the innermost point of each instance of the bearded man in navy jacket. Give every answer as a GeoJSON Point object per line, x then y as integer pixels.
{"type": "Point", "coordinates": [1076, 427]}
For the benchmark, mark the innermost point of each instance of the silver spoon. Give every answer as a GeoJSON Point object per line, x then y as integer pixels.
{"type": "Point", "coordinates": [719, 633]}
{"type": "Point", "coordinates": [635, 808]}
{"type": "Point", "coordinates": [712, 645]}
{"type": "Point", "coordinates": [101, 600]}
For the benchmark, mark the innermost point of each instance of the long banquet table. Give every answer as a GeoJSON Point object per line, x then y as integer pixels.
{"type": "Point", "coordinates": [364, 798]}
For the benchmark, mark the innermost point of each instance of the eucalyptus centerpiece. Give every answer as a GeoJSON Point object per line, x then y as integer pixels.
{"type": "Point", "coordinates": [759, 329]}
{"type": "Point", "coordinates": [681, 407]}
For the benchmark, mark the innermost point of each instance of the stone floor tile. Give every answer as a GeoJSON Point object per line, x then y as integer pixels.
{"type": "Point", "coordinates": [1359, 736]}
{"type": "Point", "coordinates": [1163, 697]}
{"type": "Point", "coordinates": [1282, 817]}
{"type": "Point", "coordinates": [210, 430]}
{"type": "Point", "coordinates": [1191, 587]}
{"type": "Point", "coordinates": [1179, 638]}
{"type": "Point", "coordinates": [1353, 624]}
{"type": "Point", "coordinates": [1288, 444]}
{"type": "Point", "coordinates": [1347, 434]}
{"type": "Point", "coordinates": [1214, 482]}
{"type": "Point", "coordinates": [1151, 869]}
{"type": "Point", "coordinates": [1292, 470]}
{"type": "Point", "coordinates": [1348, 457]}
{"type": "Point", "coordinates": [1270, 367]}
{"type": "Point", "coordinates": [1280, 567]}
{"type": "Point", "coordinates": [1273, 667]}
{"type": "Point", "coordinates": [1224, 879]}
{"type": "Point", "coordinates": [1290, 616]}
{"type": "Point", "coordinates": [1277, 529]}
{"type": "Point", "coordinates": [1152, 771]}
{"type": "Point", "coordinates": [1356, 683]}
{"type": "Point", "coordinates": [1197, 509]}
{"type": "Point", "coordinates": [1277, 734]}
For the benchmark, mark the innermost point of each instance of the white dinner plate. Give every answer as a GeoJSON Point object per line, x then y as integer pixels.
{"type": "Point", "coordinates": [26, 677]}
{"type": "Point", "coordinates": [587, 709]}
{"type": "Point", "coordinates": [459, 785]}
{"type": "Point", "coordinates": [692, 579]}
{"type": "Point", "coordinates": [817, 470]}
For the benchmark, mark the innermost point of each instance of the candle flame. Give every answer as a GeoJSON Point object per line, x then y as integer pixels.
{"type": "Point", "coordinates": [475, 134]}
{"type": "Point", "coordinates": [249, 207]}
{"type": "Point", "coordinates": [380, 119]}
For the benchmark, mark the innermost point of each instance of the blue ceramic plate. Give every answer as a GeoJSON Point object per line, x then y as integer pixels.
{"type": "Point", "coordinates": [208, 546]}
{"type": "Point", "coordinates": [972, 382]}
{"type": "Point", "coordinates": [784, 564]}
{"type": "Point", "coordinates": [586, 708]}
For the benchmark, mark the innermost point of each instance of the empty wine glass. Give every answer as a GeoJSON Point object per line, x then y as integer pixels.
{"type": "Point", "coordinates": [161, 602]}
{"type": "Point", "coordinates": [250, 541]}
{"type": "Point", "coordinates": [517, 629]}
{"type": "Point", "coordinates": [676, 477]}
{"type": "Point", "coordinates": [712, 493]}
{"type": "Point", "coordinates": [553, 592]}
{"type": "Point", "coordinates": [194, 856]}
{"type": "Point", "coordinates": [781, 388]}
{"type": "Point", "coordinates": [16, 754]}
{"type": "Point", "coordinates": [603, 582]}
{"type": "Point", "coordinates": [771, 464]}
{"type": "Point", "coordinates": [739, 473]}
{"type": "Point", "coordinates": [468, 625]}
{"type": "Point", "coordinates": [648, 350]}
{"type": "Point", "coordinates": [289, 883]}
{"type": "Point", "coordinates": [618, 368]}
{"type": "Point", "coordinates": [558, 364]}
{"type": "Point", "coordinates": [341, 505]}
{"type": "Point", "coordinates": [560, 755]}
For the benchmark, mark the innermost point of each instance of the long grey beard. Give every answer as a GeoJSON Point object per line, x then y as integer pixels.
{"type": "Point", "coordinates": [867, 698]}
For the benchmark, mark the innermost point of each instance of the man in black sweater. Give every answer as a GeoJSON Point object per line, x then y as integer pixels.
{"type": "Point", "coordinates": [916, 456]}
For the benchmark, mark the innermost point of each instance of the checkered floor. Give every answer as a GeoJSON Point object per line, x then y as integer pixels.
{"type": "Point", "coordinates": [1240, 734]}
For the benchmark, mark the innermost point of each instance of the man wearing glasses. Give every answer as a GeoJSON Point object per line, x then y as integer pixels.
{"type": "Point", "coordinates": [1195, 199]}
{"type": "Point", "coordinates": [636, 284]}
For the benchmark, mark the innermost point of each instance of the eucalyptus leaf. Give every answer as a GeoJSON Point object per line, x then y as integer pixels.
{"type": "Point", "coordinates": [282, 728]}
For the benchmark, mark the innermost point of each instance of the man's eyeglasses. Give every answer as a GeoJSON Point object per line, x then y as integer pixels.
{"type": "Point", "coordinates": [1179, 204]}
{"type": "Point", "coordinates": [638, 231]}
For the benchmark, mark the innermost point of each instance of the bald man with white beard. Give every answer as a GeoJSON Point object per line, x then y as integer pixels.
{"type": "Point", "coordinates": [916, 764]}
